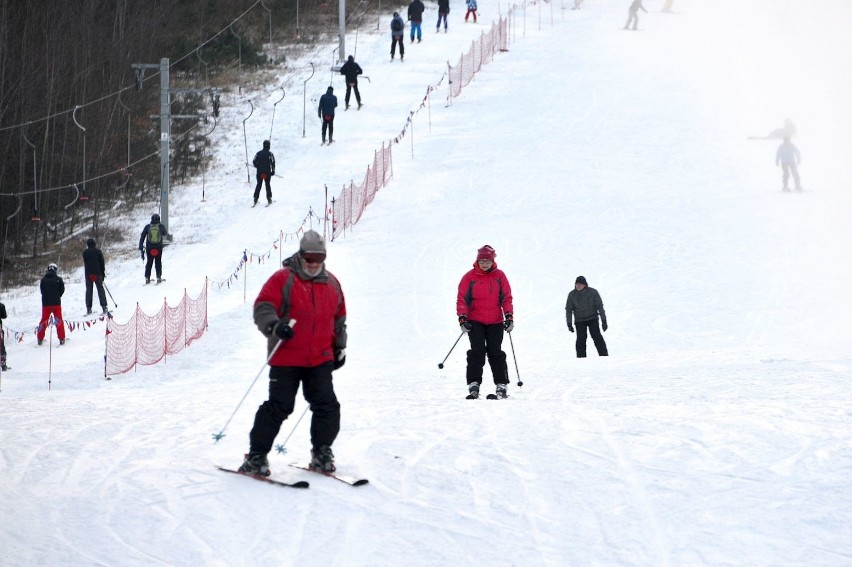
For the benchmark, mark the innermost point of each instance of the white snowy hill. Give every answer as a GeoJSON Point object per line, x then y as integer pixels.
{"type": "Point", "coordinates": [717, 432]}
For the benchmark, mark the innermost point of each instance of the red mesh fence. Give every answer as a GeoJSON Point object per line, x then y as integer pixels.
{"type": "Point", "coordinates": [481, 53]}
{"type": "Point", "coordinates": [347, 209]}
{"type": "Point", "coordinates": [148, 339]}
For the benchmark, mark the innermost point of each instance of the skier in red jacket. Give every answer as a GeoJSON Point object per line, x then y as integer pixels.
{"type": "Point", "coordinates": [484, 308]}
{"type": "Point", "coordinates": [302, 313]}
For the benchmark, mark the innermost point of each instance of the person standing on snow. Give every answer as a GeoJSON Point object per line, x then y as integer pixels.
{"type": "Point", "coordinates": [443, 12]}
{"type": "Point", "coordinates": [325, 110]}
{"type": "Point", "coordinates": [415, 16]}
{"type": "Point", "coordinates": [302, 313]}
{"type": "Point", "coordinates": [94, 269]}
{"type": "Point", "coordinates": [788, 158]}
{"type": "Point", "coordinates": [484, 308]}
{"type": "Point", "coordinates": [52, 288]}
{"type": "Point", "coordinates": [3, 366]}
{"type": "Point", "coordinates": [633, 14]}
{"type": "Point", "coordinates": [264, 163]}
{"type": "Point", "coordinates": [397, 27]}
{"type": "Point", "coordinates": [351, 70]}
{"type": "Point", "coordinates": [471, 9]}
{"type": "Point", "coordinates": [584, 304]}
{"type": "Point", "coordinates": [152, 239]}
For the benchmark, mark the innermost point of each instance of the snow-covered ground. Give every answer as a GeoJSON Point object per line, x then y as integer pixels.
{"type": "Point", "coordinates": [717, 432]}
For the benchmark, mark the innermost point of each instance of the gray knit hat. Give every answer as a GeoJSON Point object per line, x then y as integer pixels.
{"type": "Point", "coordinates": [312, 243]}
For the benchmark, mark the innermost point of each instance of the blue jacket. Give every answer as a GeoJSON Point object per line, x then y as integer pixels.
{"type": "Point", "coordinates": [788, 154]}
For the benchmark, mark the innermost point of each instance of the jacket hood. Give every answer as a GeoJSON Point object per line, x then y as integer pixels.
{"type": "Point", "coordinates": [330, 90]}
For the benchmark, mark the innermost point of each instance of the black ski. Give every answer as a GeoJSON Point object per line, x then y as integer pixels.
{"type": "Point", "coordinates": [495, 397]}
{"type": "Point", "coordinates": [299, 484]}
{"type": "Point", "coordinates": [350, 480]}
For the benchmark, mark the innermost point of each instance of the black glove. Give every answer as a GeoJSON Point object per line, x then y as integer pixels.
{"type": "Point", "coordinates": [604, 326]}
{"type": "Point", "coordinates": [282, 330]}
{"type": "Point", "coordinates": [339, 358]}
{"type": "Point", "coordinates": [509, 323]}
{"type": "Point", "coordinates": [570, 327]}
{"type": "Point", "coordinates": [465, 324]}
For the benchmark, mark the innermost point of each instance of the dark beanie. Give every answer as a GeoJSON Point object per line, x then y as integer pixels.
{"type": "Point", "coordinates": [90, 243]}
{"type": "Point", "coordinates": [580, 279]}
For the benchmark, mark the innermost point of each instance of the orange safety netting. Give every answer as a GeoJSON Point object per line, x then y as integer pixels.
{"type": "Point", "coordinates": [147, 339]}
{"type": "Point", "coordinates": [347, 209]}
{"type": "Point", "coordinates": [481, 53]}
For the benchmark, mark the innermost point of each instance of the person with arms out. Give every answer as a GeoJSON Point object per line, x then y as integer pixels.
{"type": "Point", "coordinates": [2, 339]}
{"type": "Point", "coordinates": [94, 269]}
{"type": "Point", "coordinates": [471, 10]}
{"type": "Point", "coordinates": [264, 163]}
{"type": "Point", "coordinates": [302, 312]}
{"type": "Point", "coordinates": [351, 70]}
{"type": "Point", "coordinates": [415, 16]}
{"type": "Point", "coordinates": [52, 288]}
{"type": "Point", "coordinates": [484, 308]}
{"type": "Point", "coordinates": [633, 14]}
{"type": "Point", "coordinates": [443, 12]}
{"type": "Point", "coordinates": [584, 305]}
{"type": "Point", "coordinates": [397, 29]}
{"type": "Point", "coordinates": [789, 158]}
{"type": "Point", "coordinates": [151, 242]}
{"type": "Point", "coordinates": [325, 110]}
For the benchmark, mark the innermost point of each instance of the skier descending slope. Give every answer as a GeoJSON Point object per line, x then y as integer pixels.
{"type": "Point", "coordinates": [301, 311]}
{"type": "Point", "coordinates": [484, 299]}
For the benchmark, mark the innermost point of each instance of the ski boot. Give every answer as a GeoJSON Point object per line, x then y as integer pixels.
{"type": "Point", "coordinates": [473, 391]}
{"type": "Point", "coordinates": [322, 459]}
{"type": "Point", "coordinates": [255, 464]}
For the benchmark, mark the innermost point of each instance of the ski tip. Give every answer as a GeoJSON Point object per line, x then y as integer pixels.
{"type": "Point", "coordinates": [360, 482]}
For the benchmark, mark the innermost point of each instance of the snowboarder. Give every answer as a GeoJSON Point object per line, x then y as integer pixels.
{"type": "Point", "coordinates": [325, 110]}
{"type": "Point", "coordinates": [94, 269]}
{"type": "Point", "coordinates": [415, 16]}
{"type": "Point", "coordinates": [633, 14]}
{"type": "Point", "coordinates": [443, 12]}
{"type": "Point", "coordinates": [2, 339]}
{"type": "Point", "coordinates": [52, 287]}
{"type": "Point", "coordinates": [471, 10]}
{"type": "Point", "coordinates": [397, 28]}
{"type": "Point", "coordinates": [788, 158]}
{"type": "Point", "coordinates": [302, 313]}
{"type": "Point", "coordinates": [264, 163]}
{"type": "Point", "coordinates": [351, 70]}
{"type": "Point", "coordinates": [484, 308]}
{"type": "Point", "coordinates": [152, 239]}
{"type": "Point", "coordinates": [585, 304]}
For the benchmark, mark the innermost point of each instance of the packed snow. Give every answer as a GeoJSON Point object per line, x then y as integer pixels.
{"type": "Point", "coordinates": [717, 432]}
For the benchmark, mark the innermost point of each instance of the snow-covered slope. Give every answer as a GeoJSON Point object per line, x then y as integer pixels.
{"type": "Point", "coordinates": [716, 433]}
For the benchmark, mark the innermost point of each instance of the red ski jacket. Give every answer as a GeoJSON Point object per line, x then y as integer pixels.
{"type": "Point", "coordinates": [484, 297]}
{"type": "Point", "coordinates": [318, 306]}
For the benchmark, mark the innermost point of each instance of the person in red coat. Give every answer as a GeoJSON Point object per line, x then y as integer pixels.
{"type": "Point", "coordinates": [52, 289]}
{"type": "Point", "coordinates": [302, 313]}
{"type": "Point", "coordinates": [484, 308]}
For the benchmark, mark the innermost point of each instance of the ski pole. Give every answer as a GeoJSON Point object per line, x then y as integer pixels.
{"type": "Point", "coordinates": [282, 447]}
{"type": "Point", "coordinates": [217, 436]}
{"type": "Point", "coordinates": [512, 343]}
{"type": "Point", "coordinates": [441, 364]}
{"type": "Point", "coordinates": [110, 295]}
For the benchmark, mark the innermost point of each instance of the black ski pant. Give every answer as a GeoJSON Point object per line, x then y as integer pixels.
{"type": "Point", "coordinates": [352, 87]}
{"type": "Point", "coordinates": [99, 283]}
{"type": "Point", "coordinates": [263, 176]}
{"type": "Point", "coordinates": [486, 341]}
{"type": "Point", "coordinates": [283, 385]}
{"type": "Point", "coordinates": [328, 124]}
{"type": "Point", "coordinates": [397, 39]}
{"type": "Point", "coordinates": [155, 258]}
{"type": "Point", "coordinates": [585, 328]}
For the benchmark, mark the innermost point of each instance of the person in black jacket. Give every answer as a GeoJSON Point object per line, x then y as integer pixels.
{"type": "Point", "coordinates": [52, 287]}
{"type": "Point", "coordinates": [325, 110]}
{"type": "Point", "coordinates": [443, 11]}
{"type": "Point", "coordinates": [94, 269]}
{"type": "Point", "coordinates": [415, 16]}
{"type": "Point", "coordinates": [351, 70]}
{"type": "Point", "coordinates": [152, 240]}
{"type": "Point", "coordinates": [264, 163]}
{"type": "Point", "coordinates": [397, 29]}
{"type": "Point", "coordinates": [585, 304]}
{"type": "Point", "coordinates": [2, 339]}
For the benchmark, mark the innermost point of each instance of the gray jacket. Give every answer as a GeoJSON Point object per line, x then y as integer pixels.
{"type": "Point", "coordinates": [584, 305]}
